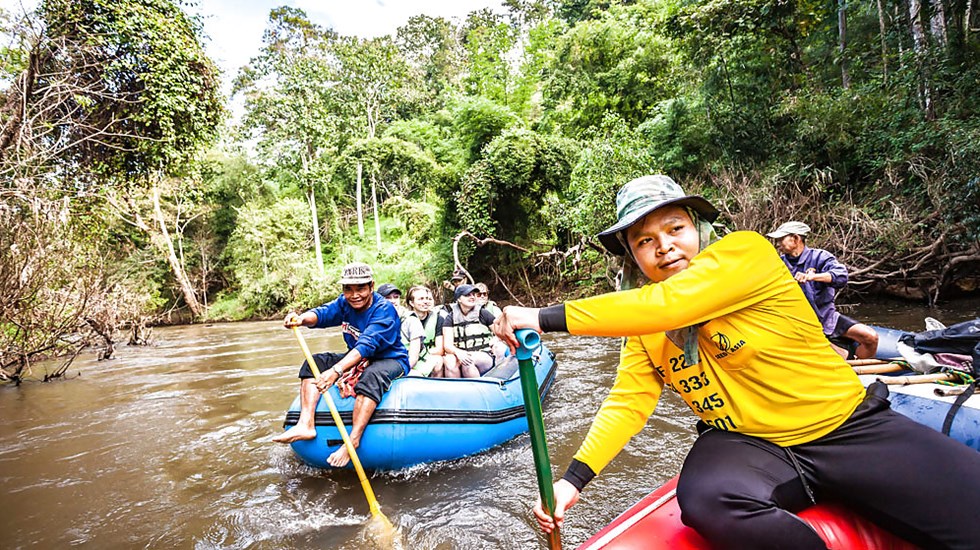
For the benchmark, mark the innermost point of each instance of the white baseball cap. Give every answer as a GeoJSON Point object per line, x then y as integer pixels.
{"type": "Point", "coordinates": [789, 228]}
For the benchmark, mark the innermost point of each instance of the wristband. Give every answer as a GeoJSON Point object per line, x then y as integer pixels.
{"type": "Point", "coordinates": [338, 370]}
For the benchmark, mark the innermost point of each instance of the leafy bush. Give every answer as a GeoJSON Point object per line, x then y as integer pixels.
{"type": "Point", "coordinates": [677, 137]}
{"type": "Point", "coordinates": [269, 253]}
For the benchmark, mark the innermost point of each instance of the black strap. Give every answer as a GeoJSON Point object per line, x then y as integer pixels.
{"type": "Point", "coordinates": [799, 472]}
{"type": "Point", "coordinates": [960, 399]}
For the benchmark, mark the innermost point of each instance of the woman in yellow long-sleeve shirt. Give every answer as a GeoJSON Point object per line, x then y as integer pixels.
{"type": "Point", "coordinates": [784, 421]}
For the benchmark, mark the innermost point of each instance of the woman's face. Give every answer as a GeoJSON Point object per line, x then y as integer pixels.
{"type": "Point", "coordinates": [664, 242]}
{"type": "Point", "coordinates": [421, 301]}
{"type": "Point", "coordinates": [467, 302]}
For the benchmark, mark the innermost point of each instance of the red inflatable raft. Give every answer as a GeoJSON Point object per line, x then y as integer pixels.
{"type": "Point", "coordinates": [654, 523]}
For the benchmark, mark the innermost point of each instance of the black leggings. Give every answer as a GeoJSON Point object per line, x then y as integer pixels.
{"type": "Point", "coordinates": [742, 492]}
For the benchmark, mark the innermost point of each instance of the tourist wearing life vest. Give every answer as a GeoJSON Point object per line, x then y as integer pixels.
{"type": "Point", "coordinates": [784, 421]}
{"type": "Point", "coordinates": [411, 330]}
{"type": "Point", "coordinates": [467, 337]}
{"type": "Point", "coordinates": [483, 299]}
{"type": "Point", "coordinates": [370, 327]}
{"type": "Point", "coordinates": [421, 306]}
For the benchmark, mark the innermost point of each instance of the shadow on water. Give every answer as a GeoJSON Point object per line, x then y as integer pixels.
{"type": "Point", "coordinates": [168, 446]}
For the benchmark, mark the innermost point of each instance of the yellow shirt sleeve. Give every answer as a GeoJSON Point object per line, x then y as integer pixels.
{"type": "Point", "coordinates": [624, 413]}
{"type": "Point", "coordinates": [723, 278]}
{"type": "Point", "coordinates": [765, 367]}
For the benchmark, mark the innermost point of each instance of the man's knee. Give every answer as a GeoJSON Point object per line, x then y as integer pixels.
{"type": "Point", "coordinates": [376, 379]}
{"type": "Point", "coordinates": [863, 334]}
{"type": "Point", "coordinates": [709, 510]}
{"type": "Point", "coordinates": [371, 386]}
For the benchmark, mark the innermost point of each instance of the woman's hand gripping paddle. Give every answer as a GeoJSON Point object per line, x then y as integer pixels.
{"type": "Point", "coordinates": [368, 492]}
{"type": "Point", "coordinates": [527, 341]}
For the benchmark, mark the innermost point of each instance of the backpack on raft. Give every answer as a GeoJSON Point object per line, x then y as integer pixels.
{"type": "Point", "coordinates": [962, 340]}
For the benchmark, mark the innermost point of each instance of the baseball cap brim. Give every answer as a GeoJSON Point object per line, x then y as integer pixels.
{"type": "Point", "coordinates": [699, 204]}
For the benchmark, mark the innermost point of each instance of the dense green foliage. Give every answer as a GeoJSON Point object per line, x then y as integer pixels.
{"type": "Point", "coordinates": [517, 128]}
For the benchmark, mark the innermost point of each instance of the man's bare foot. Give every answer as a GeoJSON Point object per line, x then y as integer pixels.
{"type": "Point", "coordinates": [296, 433]}
{"type": "Point", "coordinates": [339, 458]}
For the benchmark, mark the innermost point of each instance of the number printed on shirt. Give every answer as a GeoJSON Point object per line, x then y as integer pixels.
{"type": "Point", "coordinates": [725, 423]}
{"type": "Point", "coordinates": [709, 403]}
{"type": "Point", "coordinates": [678, 364]}
{"type": "Point", "coordinates": [693, 383]}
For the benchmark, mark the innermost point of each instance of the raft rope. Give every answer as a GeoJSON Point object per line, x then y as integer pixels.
{"type": "Point", "coordinates": [964, 378]}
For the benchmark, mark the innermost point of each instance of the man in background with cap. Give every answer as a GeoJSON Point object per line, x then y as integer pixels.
{"type": "Point", "coordinates": [370, 327]}
{"type": "Point", "coordinates": [458, 277]}
{"type": "Point", "coordinates": [783, 420]}
{"type": "Point", "coordinates": [821, 276]}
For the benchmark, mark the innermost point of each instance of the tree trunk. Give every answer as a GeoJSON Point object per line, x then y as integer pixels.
{"type": "Point", "coordinates": [921, 55]}
{"type": "Point", "coordinates": [360, 205]}
{"type": "Point", "coordinates": [884, 47]}
{"type": "Point", "coordinates": [311, 200]}
{"type": "Point", "coordinates": [204, 275]}
{"type": "Point", "coordinates": [318, 252]}
{"type": "Point", "coordinates": [842, 37]}
{"type": "Point", "coordinates": [966, 21]}
{"type": "Point", "coordinates": [901, 39]}
{"type": "Point", "coordinates": [937, 23]}
{"type": "Point", "coordinates": [377, 218]}
{"type": "Point", "coordinates": [186, 288]}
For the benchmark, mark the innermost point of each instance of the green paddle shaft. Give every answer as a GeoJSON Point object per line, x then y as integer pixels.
{"type": "Point", "coordinates": [529, 340]}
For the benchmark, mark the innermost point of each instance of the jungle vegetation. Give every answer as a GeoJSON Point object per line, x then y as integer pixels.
{"type": "Point", "coordinates": [130, 197]}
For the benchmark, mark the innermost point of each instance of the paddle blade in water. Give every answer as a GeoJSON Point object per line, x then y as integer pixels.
{"type": "Point", "coordinates": [381, 534]}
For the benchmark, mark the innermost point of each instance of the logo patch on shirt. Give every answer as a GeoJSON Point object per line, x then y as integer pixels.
{"type": "Point", "coordinates": [348, 328]}
{"type": "Point", "coordinates": [724, 344]}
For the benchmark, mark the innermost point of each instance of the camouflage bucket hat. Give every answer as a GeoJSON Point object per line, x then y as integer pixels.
{"type": "Point", "coordinates": [356, 273]}
{"type": "Point", "coordinates": [643, 195]}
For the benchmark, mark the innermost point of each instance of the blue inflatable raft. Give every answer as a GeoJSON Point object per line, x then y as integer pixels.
{"type": "Point", "coordinates": [430, 419]}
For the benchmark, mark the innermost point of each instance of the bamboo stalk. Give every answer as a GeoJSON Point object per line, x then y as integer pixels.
{"type": "Point", "coordinates": [949, 392]}
{"type": "Point", "coordinates": [879, 368]}
{"type": "Point", "coordinates": [866, 362]}
{"type": "Point", "coordinates": [918, 379]}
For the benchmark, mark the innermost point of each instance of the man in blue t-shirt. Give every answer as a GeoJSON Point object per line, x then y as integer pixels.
{"type": "Point", "coordinates": [820, 276]}
{"type": "Point", "coordinates": [371, 329]}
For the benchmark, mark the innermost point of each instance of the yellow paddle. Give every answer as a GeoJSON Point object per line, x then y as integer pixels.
{"type": "Point", "coordinates": [368, 492]}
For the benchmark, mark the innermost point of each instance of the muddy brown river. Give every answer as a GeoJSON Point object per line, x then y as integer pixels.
{"type": "Point", "coordinates": [168, 447]}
